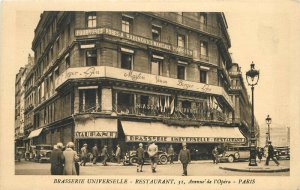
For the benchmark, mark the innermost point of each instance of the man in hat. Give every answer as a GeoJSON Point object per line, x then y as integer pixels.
{"type": "Point", "coordinates": [184, 157]}
{"type": "Point", "coordinates": [83, 152]}
{"type": "Point", "coordinates": [153, 154]}
{"type": "Point", "coordinates": [57, 160]}
{"type": "Point", "coordinates": [140, 158]}
{"type": "Point", "coordinates": [215, 154]}
{"type": "Point", "coordinates": [271, 154]}
{"type": "Point", "coordinates": [104, 153]}
{"type": "Point", "coordinates": [171, 154]}
{"type": "Point", "coordinates": [95, 153]}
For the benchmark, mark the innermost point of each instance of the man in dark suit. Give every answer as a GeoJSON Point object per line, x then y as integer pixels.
{"type": "Point", "coordinates": [271, 154]}
{"type": "Point", "coordinates": [95, 153]}
{"type": "Point", "coordinates": [185, 158]}
{"type": "Point", "coordinates": [57, 160]}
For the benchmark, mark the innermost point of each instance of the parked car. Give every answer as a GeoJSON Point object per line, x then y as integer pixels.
{"type": "Point", "coordinates": [43, 153]}
{"type": "Point", "coordinates": [235, 153]}
{"type": "Point", "coordinates": [282, 152]}
{"type": "Point", "coordinates": [131, 158]}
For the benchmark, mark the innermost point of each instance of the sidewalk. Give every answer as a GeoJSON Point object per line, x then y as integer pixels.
{"type": "Point", "coordinates": [261, 167]}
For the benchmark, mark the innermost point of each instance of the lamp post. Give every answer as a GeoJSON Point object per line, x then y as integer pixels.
{"type": "Point", "coordinates": [252, 77]}
{"type": "Point", "coordinates": [268, 121]}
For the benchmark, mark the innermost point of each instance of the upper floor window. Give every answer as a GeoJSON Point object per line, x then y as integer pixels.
{"type": "Point", "coordinates": [203, 18]}
{"type": "Point", "coordinates": [156, 66]}
{"type": "Point", "coordinates": [156, 33]}
{"type": "Point", "coordinates": [181, 40]}
{"type": "Point", "coordinates": [91, 19]}
{"type": "Point", "coordinates": [203, 76]}
{"type": "Point", "coordinates": [126, 24]}
{"type": "Point", "coordinates": [126, 58]}
{"type": "Point", "coordinates": [91, 58]}
{"type": "Point", "coordinates": [181, 72]}
{"type": "Point", "coordinates": [203, 48]}
{"type": "Point", "coordinates": [67, 60]}
{"type": "Point", "coordinates": [88, 100]}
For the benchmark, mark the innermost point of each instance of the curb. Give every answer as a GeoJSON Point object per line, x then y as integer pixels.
{"type": "Point", "coordinates": [283, 169]}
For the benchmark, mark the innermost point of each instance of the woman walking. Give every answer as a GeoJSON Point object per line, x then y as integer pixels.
{"type": "Point", "coordinates": [70, 159]}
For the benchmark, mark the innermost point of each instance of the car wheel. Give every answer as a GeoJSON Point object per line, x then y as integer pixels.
{"type": "Point", "coordinates": [132, 160]}
{"type": "Point", "coordinates": [236, 155]}
{"type": "Point", "coordinates": [230, 158]}
{"type": "Point", "coordinates": [163, 159]}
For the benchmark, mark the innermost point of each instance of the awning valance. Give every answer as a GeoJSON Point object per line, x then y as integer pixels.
{"type": "Point", "coordinates": [96, 128]}
{"type": "Point", "coordinates": [35, 133]}
{"type": "Point", "coordinates": [159, 132]}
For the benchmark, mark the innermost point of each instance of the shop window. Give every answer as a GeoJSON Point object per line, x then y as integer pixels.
{"type": "Point", "coordinates": [156, 67]}
{"type": "Point", "coordinates": [203, 76]}
{"type": "Point", "coordinates": [203, 48]}
{"type": "Point", "coordinates": [125, 103]}
{"type": "Point", "coordinates": [91, 58]}
{"type": "Point", "coordinates": [91, 19]}
{"type": "Point", "coordinates": [186, 106]}
{"type": "Point", "coordinates": [156, 33]}
{"type": "Point", "coordinates": [126, 61]}
{"type": "Point", "coordinates": [87, 100]}
{"type": "Point", "coordinates": [181, 40]}
{"type": "Point", "coordinates": [181, 72]}
{"type": "Point", "coordinates": [126, 24]}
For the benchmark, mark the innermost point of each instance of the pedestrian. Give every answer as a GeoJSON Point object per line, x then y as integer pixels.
{"type": "Point", "coordinates": [57, 160]}
{"type": "Point", "coordinates": [118, 153]}
{"type": "Point", "coordinates": [104, 154]}
{"type": "Point", "coordinates": [171, 154]}
{"type": "Point", "coordinates": [260, 152]}
{"type": "Point", "coordinates": [83, 154]}
{"type": "Point", "coordinates": [153, 154]}
{"type": "Point", "coordinates": [140, 152]}
{"type": "Point", "coordinates": [185, 158]}
{"type": "Point", "coordinates": [271, 154]}
{"type": "Point", "coordinates": [215, 156]}
{"type": "Point", "coordinates": [95, 153]}
{"type": "Point", "coordinates": [70, 159]}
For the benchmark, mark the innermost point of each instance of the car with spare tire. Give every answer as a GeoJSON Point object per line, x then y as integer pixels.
{"type": "Point", "coordinates": [235, 153]}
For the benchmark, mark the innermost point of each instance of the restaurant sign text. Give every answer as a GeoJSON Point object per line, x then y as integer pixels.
{"type": "Point", "coordinates": [95, 134]}
{"type": "Point", "coordinates": [162, 139]}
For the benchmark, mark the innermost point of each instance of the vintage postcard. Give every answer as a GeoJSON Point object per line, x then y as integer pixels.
{"type": "Point", "coordinates": [149, 95]}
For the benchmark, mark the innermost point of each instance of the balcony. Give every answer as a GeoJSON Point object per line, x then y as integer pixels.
{"type": "Point", "coordinates": [195, 114]}
{"type": "Point", "coordinates": [114, 73]}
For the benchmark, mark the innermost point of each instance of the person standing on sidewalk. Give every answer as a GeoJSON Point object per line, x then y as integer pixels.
{"type": "Point", "coordinates": [83, 152]}
{"type": "Point", "coordinates": [70, 159]}
{"type": "Point", "coordinates": [171, 154]}
{"type": "Point", "coordinates": [271, 154]}
{"type": "Point", "coordinates": [153, 154]}
{"type": "Point", "coordinates": [95, 153]}
{"type": "Point", "coordinates": [215, 154]}
{"type": "Point", "coordinates": [140, 152]}
{"type": "Point", "coordinates": [185, 158]}
{"type": "Point", "coordinates": [104, 154]}
{"type": "Point", "coordinates": [57, 160]}
{"type": "Point", "coordinates": [118, 154]}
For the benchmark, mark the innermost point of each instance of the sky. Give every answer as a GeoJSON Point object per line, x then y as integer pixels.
{"type": "Point", "coordinates": [262, 37]}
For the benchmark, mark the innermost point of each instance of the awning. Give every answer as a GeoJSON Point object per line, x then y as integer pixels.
{"type": "Point", "coordinates": [97, 128]}
{"type": "Point", "coordinates": [159, 132]}
{"type": "Point", "coordinates": [35, 133]}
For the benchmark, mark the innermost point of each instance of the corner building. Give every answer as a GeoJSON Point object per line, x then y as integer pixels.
{"type": "Point", "coordinates": [129, 77]}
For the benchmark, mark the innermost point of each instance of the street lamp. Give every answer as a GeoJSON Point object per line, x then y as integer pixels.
{"type": "Point", "coordinates": [268, 121]}
{"type": "Point", "coordinates": [252, 77]}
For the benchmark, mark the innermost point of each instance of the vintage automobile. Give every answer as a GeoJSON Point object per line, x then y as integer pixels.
{"type": "Point", "coordinates": [43, 153]}
{"type": "Point", "coordinates": [282, 152]}
{"type": "Point", "coordinates": [235, 153]}
{"type": "Point", "coordinates": [20, 153]}
{"type": "Point", "coordinates": [131, 158]}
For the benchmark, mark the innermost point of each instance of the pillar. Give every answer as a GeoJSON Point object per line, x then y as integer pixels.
{"type": "Point", "coordinates": [106, 99]}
